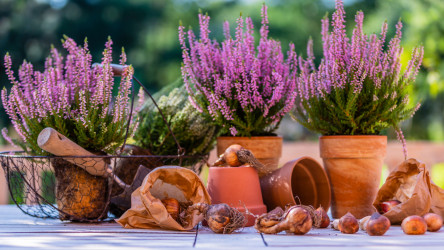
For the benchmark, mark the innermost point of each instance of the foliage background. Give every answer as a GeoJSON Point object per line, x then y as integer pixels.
{"type": "Point", "coordinates": [148, 31]}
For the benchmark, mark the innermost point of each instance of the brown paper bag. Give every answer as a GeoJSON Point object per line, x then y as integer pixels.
{"type": "Point", "coordinates": [437, 200]}
{"type": "Point", "coordinates": [410, 184]}
{"type": "Point", "coordinates": [147, 210]}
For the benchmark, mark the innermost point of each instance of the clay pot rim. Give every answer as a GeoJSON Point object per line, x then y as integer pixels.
{"type": "Point", "coordinates": [373, 146]}
{"type": "Point", "coordinates": [324, 137]}
{"type": "Point", "coordinates": [269, 137]}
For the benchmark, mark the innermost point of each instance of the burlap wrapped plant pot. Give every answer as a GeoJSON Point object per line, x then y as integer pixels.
{"type": "Point", "coordinates": [147, 209]}
{"type": "Point", "coordinates": [410, 184]}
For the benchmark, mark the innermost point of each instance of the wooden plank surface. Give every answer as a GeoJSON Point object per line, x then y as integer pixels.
{"type": "Point", "coordinates": [19, 231]}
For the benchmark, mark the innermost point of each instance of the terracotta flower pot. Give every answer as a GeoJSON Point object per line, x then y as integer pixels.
{"type": "Point", "coordinates": [267, 149]}
{"type": "Point", "coordinates": [353, 165]}
{"type": "Point", "coordinates": [236, 186]}
{"type": "Point", "coordinates": [303, 178]}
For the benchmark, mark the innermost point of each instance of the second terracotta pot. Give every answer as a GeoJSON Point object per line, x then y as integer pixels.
{"type": "Point", "coordinates": [237, 187]}
{"type": "Point", "coordinates": [267, 149]}
{"type": "Point", "coordinates": [300, 181]}
{"type": "Point", "coordinates": [353, 165]}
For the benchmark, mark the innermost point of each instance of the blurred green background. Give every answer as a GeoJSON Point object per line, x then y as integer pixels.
{"type": "Point", "coordinates": [148, 31]}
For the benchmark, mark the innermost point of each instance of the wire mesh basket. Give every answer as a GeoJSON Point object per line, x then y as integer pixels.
{"type": "Point", "coordinates": [68, 188]}
{"type": "Point", "coordinates": [53, 187]}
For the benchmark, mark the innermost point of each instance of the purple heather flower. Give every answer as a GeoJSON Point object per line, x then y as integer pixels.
{"type": "Point", "coordinates": [401, 138]}
{"type": "Point", "coordinates": [233, 80]}
{"type": "Point", "coordinates": [68, 89]}
{"type": "Point", "coordinates": [349, 63]}
{"type": "Point", "coordinates": [233, 131]}
{"type": "Point", "coordinates": [6, 136]}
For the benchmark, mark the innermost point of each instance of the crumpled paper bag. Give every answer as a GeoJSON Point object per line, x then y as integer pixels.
{"type": "Point", "coordinates": [410, 184]}
{"type": "Point", "coordinates": [147, 209]}
{"type": "Point", "coordinates": [437, 200]}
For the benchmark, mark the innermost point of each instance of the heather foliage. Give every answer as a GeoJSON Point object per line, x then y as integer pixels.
{"type": "Point", "coordinates": [359, 87]}
{"type": "Point", "coordinates": [71, 97]}
{"type": "Point", "coordinates": [246, 90]}
{"type": "Point", "coordinates": [195, 132]}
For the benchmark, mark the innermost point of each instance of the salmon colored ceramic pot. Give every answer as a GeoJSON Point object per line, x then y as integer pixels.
{"type": "Point", "coordinates": [267, 149]}
{"type": "Point", "coordinates": [237, 186]}
{"type": "Point", "coordinates": [300, 181]}
{"type": "Point", "coordinates": [353, 165]}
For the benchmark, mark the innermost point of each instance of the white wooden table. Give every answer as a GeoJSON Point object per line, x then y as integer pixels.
{"type": "Point", "coordinates": [19, 231]}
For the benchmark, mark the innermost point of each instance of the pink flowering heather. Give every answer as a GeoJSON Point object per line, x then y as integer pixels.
{"type": "Point", "coordinates": [245, 89]}
{"type": "Point", "coordinates": [71, 97]}
{"type": "Point", "coordinates": [359, 87]}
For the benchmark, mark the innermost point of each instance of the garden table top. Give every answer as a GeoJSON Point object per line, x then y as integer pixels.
{"type": "Point", "coordinates": [20, 231]}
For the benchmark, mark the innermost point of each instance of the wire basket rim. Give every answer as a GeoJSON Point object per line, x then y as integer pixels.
{"type": "Point", "coordinates": [23, 154]}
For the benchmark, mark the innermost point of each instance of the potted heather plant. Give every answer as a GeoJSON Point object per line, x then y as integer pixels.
{"type": "Point", "coordinates": [245, 89]}
{"type": "Point", "coordinates": [357, 90]}
{"type": "Point", "coordinates": [76, 100]}
{"type": "Point", "coordinates": [195, 132]}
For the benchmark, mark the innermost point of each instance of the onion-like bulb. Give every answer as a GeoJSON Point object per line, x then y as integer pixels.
{"type": "Point", "coordinates": [348, 224]}
{"type": "Point", "coordinates": [377, 225]}
{"type": "Point", "coordinates": [172, 206]}
{"type": "Point", "coordinates": [296, 220]}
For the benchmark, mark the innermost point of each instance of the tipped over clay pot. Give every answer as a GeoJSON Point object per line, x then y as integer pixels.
{"type": "Point", "coordinates": [300, 181]}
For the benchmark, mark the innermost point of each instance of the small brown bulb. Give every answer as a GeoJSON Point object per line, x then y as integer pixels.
{"type": "Point", "coordinates": [298, 220]}
{"type": "Point", "coordinates": [271, 218]}
{"type": "Point", "coordinates": [172, 206]}
{"type": "Point", "coordinates": [377, 225]}
{"type": "Point", "coordinates": [348, 224]}
{"type": "Point", "coordinates": [220, 162]}
{"type": "Point", "coordinates": [388, 205]}
{"type": "Point", "coordinates": [414, 225]}
{"type": "Point", "coordinates": [363, 222]}
{"type": "Point", "coordinates": [218, 216]}
{"type": "Point", "coordinates": [335, 224]}
{"type": "Point", "coordinates": [434, 222]}
{"type": "Point", "coordinates": [325, 220]}
{"type": "Point", "coordinates": [231, 157]}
